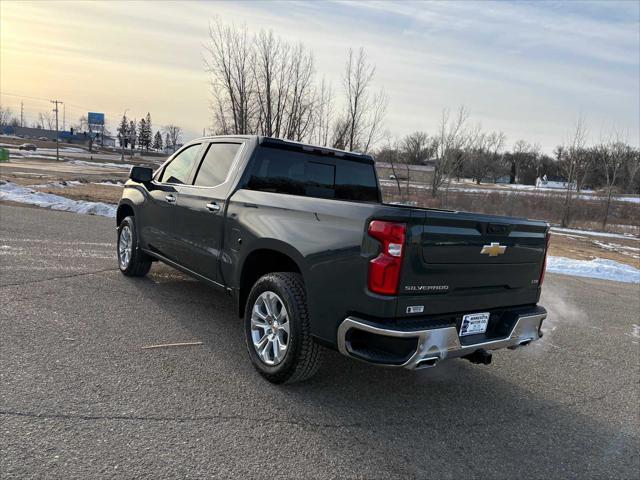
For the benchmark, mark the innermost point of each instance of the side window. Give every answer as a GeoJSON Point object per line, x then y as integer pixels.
{"type": "Point", "coordinates": [216, 164]}
{"type": "Point", "coordinates": [178, 170]}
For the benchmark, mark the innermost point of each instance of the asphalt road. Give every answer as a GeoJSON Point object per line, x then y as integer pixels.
{"type": "Point", "coordinates": [80, 398]}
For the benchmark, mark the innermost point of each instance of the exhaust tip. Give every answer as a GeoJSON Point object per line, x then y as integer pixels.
{"type": "Point", "coordinates": [428, 362]}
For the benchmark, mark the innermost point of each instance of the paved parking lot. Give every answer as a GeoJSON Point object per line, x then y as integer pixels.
{"type": "Point", "coordinates": [80, 398]}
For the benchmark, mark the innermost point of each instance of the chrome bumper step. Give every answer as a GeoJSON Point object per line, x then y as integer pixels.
{"type": "Point", "coordinates": [437, 344]}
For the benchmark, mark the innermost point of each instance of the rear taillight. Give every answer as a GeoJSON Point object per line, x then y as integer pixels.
{"type": "Point", "coordinates": [384, 270]}
{"type": "Point", "coordinates": [546, 251]}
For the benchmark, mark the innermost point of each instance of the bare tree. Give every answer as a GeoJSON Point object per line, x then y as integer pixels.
{"type": "Point", "coordinates": [393, 148]}
{"type": "Point", "coordinates": [364, 113]}
{"type": "Point", "coordinates": [45, 121]}
{"type": "Point", "coordinates": [323, 114]}
{"type": "Point", "coordinates": [375, 123]}
{"type": "Point", "coordinates": [340, 135]}
{"type": "Point", "coordinates": [5, 116]}
{"type": "Point", "coordinates": [450, 141]}
{"type": "Point", "coordinates": [484, 156]}
{"type": "Point", "coordinates": [631, 170]}
{"type": "Point", "coordinates": [228, 60]}
{"type": "Point", "coordinates": [574, 166]}
{"type": "Point", "coordinates": [612, 157]}
{"type": "Point", "coordinates": [299, 111]}
{"type": "Point", "coordinates": [173, 134]}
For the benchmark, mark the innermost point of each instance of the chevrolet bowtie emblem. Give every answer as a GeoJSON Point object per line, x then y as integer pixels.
{"type": "Point", "coordinates": [493, 250]}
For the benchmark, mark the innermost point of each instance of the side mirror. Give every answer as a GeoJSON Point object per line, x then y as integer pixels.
{"type": "Point", "coordinates": [141, 174]}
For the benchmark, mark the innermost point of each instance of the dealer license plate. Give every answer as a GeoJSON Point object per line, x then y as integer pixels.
{"type": "Point", "coordinates": [474, 323]}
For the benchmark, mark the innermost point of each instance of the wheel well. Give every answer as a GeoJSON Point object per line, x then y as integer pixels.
{"type": "Point", "coordinates": [123, 212]}
{"type": "Point", "coordinates": [257, 264]}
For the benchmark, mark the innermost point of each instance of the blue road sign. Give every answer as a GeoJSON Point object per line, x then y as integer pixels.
{"type": "Point", "coordinates": [95, 118]}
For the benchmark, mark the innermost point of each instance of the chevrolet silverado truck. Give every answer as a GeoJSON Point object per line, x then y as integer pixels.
{"type": "Point", "coordinates": [299, 236]}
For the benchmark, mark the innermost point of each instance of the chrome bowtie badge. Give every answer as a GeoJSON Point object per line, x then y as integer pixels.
{"type": "Point", "coordinates": [493, 250]}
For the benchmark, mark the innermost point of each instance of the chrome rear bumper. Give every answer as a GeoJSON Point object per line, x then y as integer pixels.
{"type": "Point", "coordinates": [437, 344]}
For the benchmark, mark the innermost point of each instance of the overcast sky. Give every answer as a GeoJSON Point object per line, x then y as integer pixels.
{"type": "Point", "coordinates": [528, 69]}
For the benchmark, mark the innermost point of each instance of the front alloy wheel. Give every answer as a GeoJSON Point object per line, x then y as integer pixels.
{"type": "Point", "coordinates": [125, 246]}
{"type": "Point", "coordinates": [133, 262]}
{"type": "Point", "coordinates": [270, 328]}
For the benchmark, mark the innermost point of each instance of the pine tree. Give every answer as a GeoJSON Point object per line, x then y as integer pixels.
{"type": "Point", "coordinates": [148, 131]}
{"type": "Point", "coordinates": [157, 141]}
{"type": "Point", "coordinates": [133, 136]}
{"type": "Point", "coordinates": [143, 141]}
{"type": "Point", "coordinates": [123, 132]}
{"type": "Point", "coordinates": [167, 141]}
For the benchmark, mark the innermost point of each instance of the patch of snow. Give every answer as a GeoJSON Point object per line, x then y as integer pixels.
{"type": "Point", "coordinates": [16, 193]}
{"type": "Point", "coordinates": [101, 164]}
{"type": "Point", "coordinates": [597, 268]}
{"type": "Point", "coordinates": [113, 183]}
{"type": "Point", "coordinates": [615, 247]}
{"type": "Point", "coordinates": [62, 184]}
{"type": "Point", "coordinates": [591, 233]}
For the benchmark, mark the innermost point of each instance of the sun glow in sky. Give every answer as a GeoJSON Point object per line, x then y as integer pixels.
{"type": "Point", "coordinates": [528, 69]}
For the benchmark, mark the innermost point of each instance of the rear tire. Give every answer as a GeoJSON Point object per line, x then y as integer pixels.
{"type": "Point", "coordinates": [276, 320]}
{"type": "Point", "coordinates": [133, 262]}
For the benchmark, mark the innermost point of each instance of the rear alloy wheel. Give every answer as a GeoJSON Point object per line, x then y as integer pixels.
{"type": "Point", "coordinates": [277, 330]}
{"type": "Point", "coordinates": [270, 328]}
{"type": "Point", "coordinates": [132, 261]}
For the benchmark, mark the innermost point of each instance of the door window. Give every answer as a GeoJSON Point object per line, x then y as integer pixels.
{"type": "Point", "coordinates": [216, 164]}
{"type": "Point", "coordinates": [178, 170]}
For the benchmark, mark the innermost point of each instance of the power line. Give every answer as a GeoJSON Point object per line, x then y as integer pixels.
{"type": "Point", "coordinates": [24, 96]}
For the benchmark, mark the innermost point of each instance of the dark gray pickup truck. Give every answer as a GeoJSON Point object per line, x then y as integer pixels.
{"type": "Point", "coordinates": [299, 237]}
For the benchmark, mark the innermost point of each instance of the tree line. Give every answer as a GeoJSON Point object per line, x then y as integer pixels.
{"type": "Point", "coordinates": [132, 134]}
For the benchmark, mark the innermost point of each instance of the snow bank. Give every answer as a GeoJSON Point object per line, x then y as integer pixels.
{"type": "Point", "coordinates": [16, 193]}
{"type": "Point", "coordinates": [596, 268]}
{"type": "Point", "coordinates": [591, 233]}
{"type": "Point", "coordinates": [101, 164]}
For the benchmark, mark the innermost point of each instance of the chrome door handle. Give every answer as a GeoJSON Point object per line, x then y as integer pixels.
{"type": "Point", "coordinates": [170, 199]}
{"type": "Point", "coordinates": [213, 207]}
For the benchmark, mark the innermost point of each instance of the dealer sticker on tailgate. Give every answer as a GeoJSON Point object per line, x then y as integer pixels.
{"type": "Point", "coordinates": [474, 323]}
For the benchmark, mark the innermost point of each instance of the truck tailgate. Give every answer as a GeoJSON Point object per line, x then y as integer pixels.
{"type": "Point", "coordinates": [461, 262]}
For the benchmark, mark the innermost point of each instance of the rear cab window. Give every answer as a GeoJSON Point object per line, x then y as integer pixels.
{"type": "Point", "coordinates": [312, 174]}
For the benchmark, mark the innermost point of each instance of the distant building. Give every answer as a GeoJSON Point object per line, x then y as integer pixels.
{"type": "Point", "coordinates": [28, 132]}
{"type": "Point", "coordinates": [107, 141]}
{"type": "Point", "coordinates": [551, 181]}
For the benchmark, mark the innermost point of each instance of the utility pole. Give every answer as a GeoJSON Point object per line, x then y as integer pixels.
{"type": "Point", "coordinates": [64, 117]}
{"type": "Point", "coordinates": [55, 110]}
{"type": "Point", "coordinates": [21, 113]}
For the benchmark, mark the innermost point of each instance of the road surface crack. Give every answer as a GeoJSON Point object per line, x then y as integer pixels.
{"type": "Point", "coordinates": [42, 280]}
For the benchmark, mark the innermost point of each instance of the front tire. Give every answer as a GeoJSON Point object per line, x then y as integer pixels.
{"type": "Point", "coordinates": [133, 262]}
{"type": "Point", "coordinates": [277, 330]}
